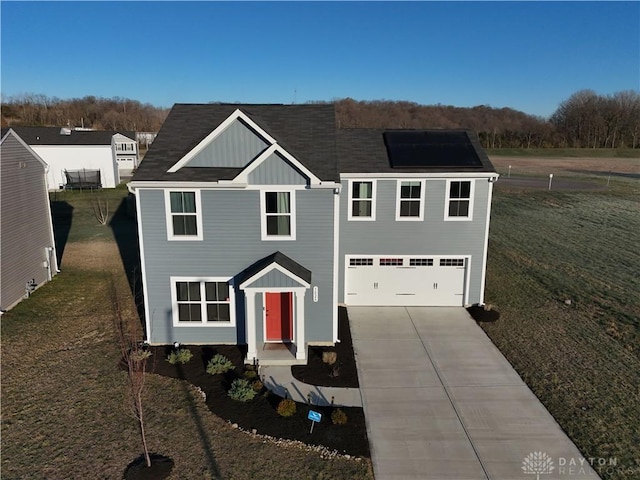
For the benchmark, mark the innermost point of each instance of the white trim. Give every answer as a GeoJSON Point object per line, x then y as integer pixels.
{"type": "Point", "coordinates": [263, 214]}
{"type": "Point", "coordinates": [220, 185]}
{"type": "Point", "coordinates": [143, 268]}
{"type": "Point", "coordinates": [160, 184]}
{"type": "Point", "coordinates": [267, 269]}
{"type": "Point", "coordinates": [350, 200]}
{"type": "Point", "coordinates": [472, 189]}
{"type": "Point", "coordinates": [29, 149]}
{"type": "Point", "coordinates": [423, 187]}
{"type": "Point", "coordinates": [336, 262]}
{"type": "Point", "coordinates": [237, 114]}
{"type": "Point", "coordinates": [386, 175]}
{"type": "Point", "coordinates": [243, 176]}
{"type": "Point", "coordinates": [169, 221]}
{"type": "Point", "coordinates": [250, 326]}
{"type": "Point", "coordinates": [485, 253]}
{"type": "Point", "coordinates": [203, 302]}
{"type": "Point", "coordinates": [298, 324]}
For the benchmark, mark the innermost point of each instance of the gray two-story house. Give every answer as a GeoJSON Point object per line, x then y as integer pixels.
{"type": "Point", "coordinates": [256, 221]}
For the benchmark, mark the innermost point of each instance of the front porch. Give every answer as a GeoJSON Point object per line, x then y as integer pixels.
{"type": "Point", "coordinates": [277, 354]}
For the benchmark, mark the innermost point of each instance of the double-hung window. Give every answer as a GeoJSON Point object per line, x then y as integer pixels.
{"type": "Point", "coordinates": [183, 215]}
{"type": "Point", "coordinates": [459, 201]}
{"type": "Point", "coordinates": [202, 302]}
{"type": "Point", "coordinates": [362, 200]}
{"type": "Point", "coordinates": [410, 200]}
{"type": "Point", "coordinates": [278, 215]}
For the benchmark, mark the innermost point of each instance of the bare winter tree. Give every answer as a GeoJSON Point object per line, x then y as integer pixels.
{"type": "Point", "coordinates": [135, 357]}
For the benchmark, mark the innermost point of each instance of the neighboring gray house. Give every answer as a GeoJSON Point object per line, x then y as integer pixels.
{"type": "Point", "coordinates": [256, 221]}
{"type": "Point", "coordinates": [27, 248]}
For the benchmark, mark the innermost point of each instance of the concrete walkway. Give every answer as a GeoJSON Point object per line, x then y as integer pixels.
{"type": "Point", "coordinates": [280, 381]}
{"type": "Point", "coordinates": [441, 402]}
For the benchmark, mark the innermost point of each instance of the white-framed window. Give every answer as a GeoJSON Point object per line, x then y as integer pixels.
{"type": "Point", "coordinates": [362, 200]}
{"type": "Point", "coordinates": [278, 215]}
{"type": "Point", "coordinates": [202, 302]}
{"type": "Point", "coordinates": [184, 214]}
{"type": "Point", "coordinates": [124, 147]}
{"type": "Point", "coordinates": [458, 204]}
{"type": "Point", "coordinates": [410, 200]}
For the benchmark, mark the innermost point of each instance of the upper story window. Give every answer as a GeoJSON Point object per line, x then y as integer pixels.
{"type": "Point", "coordinates": [202, 302]}
{"type": "Point", "coordinates": [410, 200]}
{"type": "Point", "coordinates": [459, 201]}
{"type": "Point", "coordinates": [278, 215]}
{"type": "Point", "coordinates": [362, 200]}
{"type": "Point", "coordinates": [184, 215]}
{"type": "Point", "coordinates": [125, 147]}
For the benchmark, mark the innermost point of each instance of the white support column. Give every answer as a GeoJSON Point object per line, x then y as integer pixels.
{"type": "Point", "coordinates": [301, 348]}
{"type": "Point", "coordinates": [252, 351]}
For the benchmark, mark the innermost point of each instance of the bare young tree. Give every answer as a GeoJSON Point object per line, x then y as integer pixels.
{"type": "Point", "coordinates": [135, 357]}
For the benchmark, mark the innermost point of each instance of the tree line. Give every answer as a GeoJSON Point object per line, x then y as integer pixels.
{"type": "Point", "coordinates": [585, 120]}
{"type": "Point", "coordinates": [90, 112]}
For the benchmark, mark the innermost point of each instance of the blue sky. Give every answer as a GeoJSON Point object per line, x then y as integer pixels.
{"type": "Point", "coordinates": [525, 55]}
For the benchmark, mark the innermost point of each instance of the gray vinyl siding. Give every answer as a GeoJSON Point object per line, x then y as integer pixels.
{"type": "Point", "coordinates": [231, 243]}
{"type": "Point", "coordinates": [274, 278]}
{"type": "Point", "coordinates": [235, 147]}
{"type": "Point", "coordinates": [26, 230]}
{"type": "Point", "coordinates": [275, 170]}
{"type": "Point", "coordinates": [432, 236]}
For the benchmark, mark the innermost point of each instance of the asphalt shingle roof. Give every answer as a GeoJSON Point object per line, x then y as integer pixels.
{"type": "Point", "coordinates": [52, 136]}
{"type": "Point", "coordinates": [307, 132]}
{"type": "Point", "coordinates": [282, 260]}
{"type": "Point", "coordinates": [363, 150]}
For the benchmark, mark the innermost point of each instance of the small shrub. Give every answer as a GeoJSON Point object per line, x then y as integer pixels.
{"type": "Point", "coordinates": [182, 355]}
{"type": "Point", "coordinates": [286, 407]}
{"type": "Point", "coordinates": [338, 417]}
{"type": "Point", "coordinates": [257, 386]}
{"type": "Point", "coordinates": [250, 374]}
{"type": "Point", "coordinates": [219, 364]}
{"type": "Point", "coordinates": [241, 390]}
{"type": "Point", "coordinates": [329, 357]}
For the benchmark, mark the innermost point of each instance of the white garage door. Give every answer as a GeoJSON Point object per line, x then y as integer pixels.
{"type": "Point", "coordinates": [378, 280]}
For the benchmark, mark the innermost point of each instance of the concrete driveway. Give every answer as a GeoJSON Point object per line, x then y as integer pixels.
{"type": "Point", "coordinates": [442, 402]}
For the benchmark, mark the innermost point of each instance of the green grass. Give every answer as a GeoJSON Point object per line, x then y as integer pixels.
{"type": "Point", "coordinates": [566, 152]}
{"type": "Point", "coordinates": [63, 394]}
{"type": "Point", "coordinates": [74, 212]}
{"type": "Point", "coordinates": [582, 360]}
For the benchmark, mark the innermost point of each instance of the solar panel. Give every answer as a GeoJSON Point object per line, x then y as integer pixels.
{"type": "Point", "coordinates": [436, 149]}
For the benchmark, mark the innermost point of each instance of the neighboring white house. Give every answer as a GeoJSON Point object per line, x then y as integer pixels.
{"type": "Point", "coordinates": [27, 247]}
{"type": "Point", "coordinates": [125, 151]}
{"type": "Point", "coordinates": [86, 151]}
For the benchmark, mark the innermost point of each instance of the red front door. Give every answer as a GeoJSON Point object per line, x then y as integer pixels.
{"type": "Point", "coordinates": [279, 313]}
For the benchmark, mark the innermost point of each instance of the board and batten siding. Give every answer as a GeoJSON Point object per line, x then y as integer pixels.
{"type": "Point", "coordinates": [235, 147]}
{"type": "Point", "coordinates": [25, 231]}
{"type": "Point", "coordinates": [231, 243]}
{"type": "Point", "coordinates": [432, 236]}
{"type": "Point", "coordinates": [275, 170]}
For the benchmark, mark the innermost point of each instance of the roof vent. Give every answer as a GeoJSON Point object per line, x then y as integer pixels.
{"type": "Point", "coordinates": [65, 131]}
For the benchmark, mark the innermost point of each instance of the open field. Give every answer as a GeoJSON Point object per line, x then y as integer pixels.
{"type": "Point", "coordinates": [63, 395]}
{"type": "Point", "coordinates": [581, 359]}
{"type": "Point", "coordinates": [584, 168]}
{"type": "Point", "coordinates": [565, 152]}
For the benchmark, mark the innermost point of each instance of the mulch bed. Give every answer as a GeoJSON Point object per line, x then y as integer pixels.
{"type": "Point", "coordinates": [316, 372]}
{"type": "Point", "coordinates": [260, 413]}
